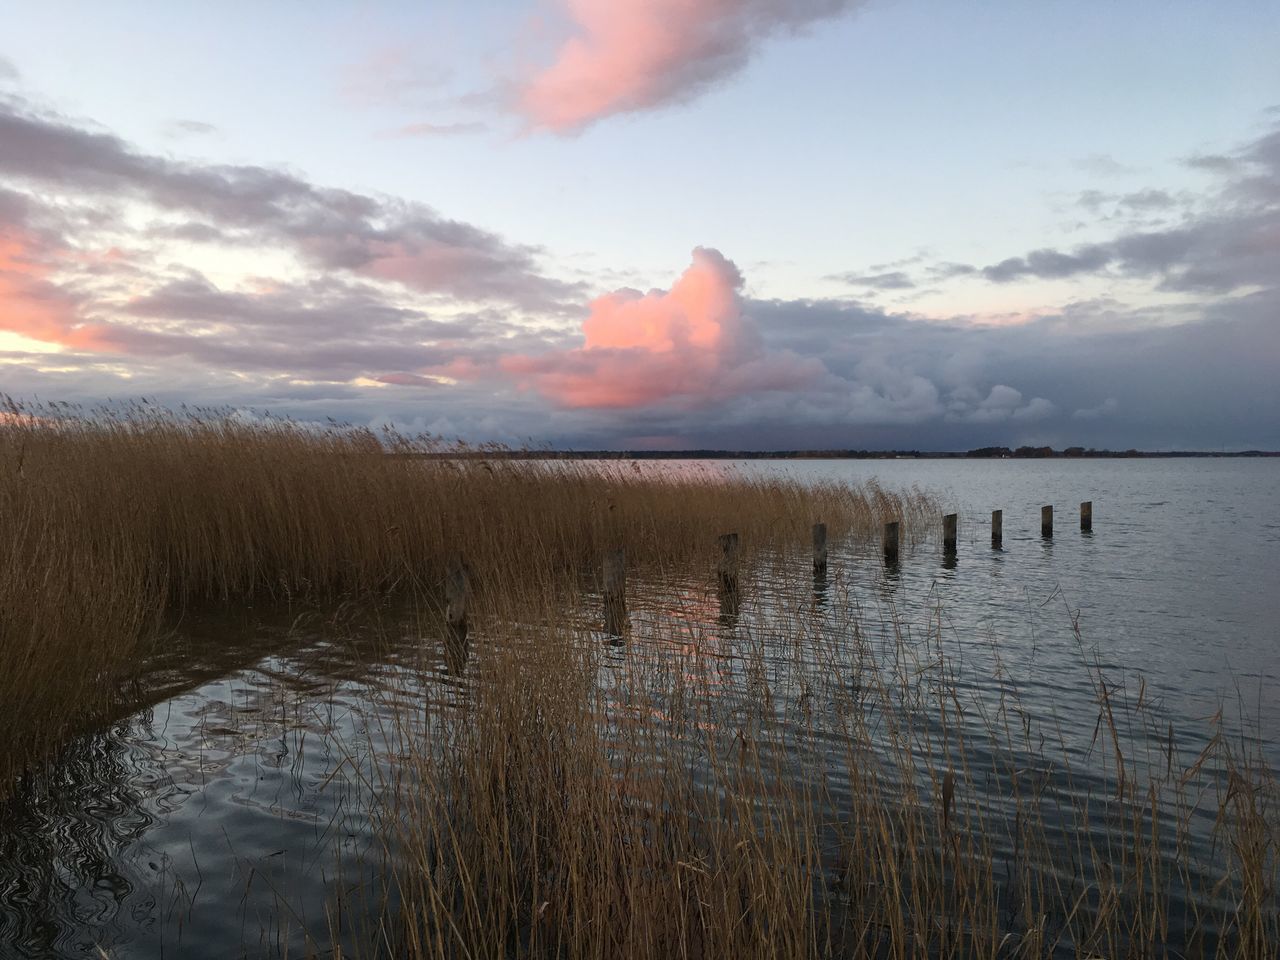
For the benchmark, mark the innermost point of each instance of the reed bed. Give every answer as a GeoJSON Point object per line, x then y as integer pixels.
{"type": "Point", "coordinates": [113, 520]}
{"type": "Point", "coordinates": [803, 781]}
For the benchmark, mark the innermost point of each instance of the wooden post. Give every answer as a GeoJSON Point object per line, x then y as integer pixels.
{"type": "Point", "coordinates": [615, 592]}
{"type": "Point", "coordinates": [891, 542]}
{"type": "Point", "coordinates": [457, 594]}
{"type": "Point", "coordinates": [1046, 521]}
{"type": "Point", "coordinates": [1086, 516]}
{"type": "Point", "coordinates": [997, 529]}
{"type": "Point", "coordinates": [819, 547]}
{"type": "Point", "coordinates": [949, 533]}
{"type": "Point", "coordinates": [728, 567]}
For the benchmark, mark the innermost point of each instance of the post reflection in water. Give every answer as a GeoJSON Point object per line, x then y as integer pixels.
{"type": "Point", "coordinates": [820, 586]}
{"type": "Point", "coordinates": [730, 596]}
{"type": "Point", "coordinates": [457, 649]}
{"type": "Point", "coordinates": [176, 829]}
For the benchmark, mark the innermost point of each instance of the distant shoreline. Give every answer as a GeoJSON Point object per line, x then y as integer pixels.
{"type": "Point", "coordinates": [986, 453]}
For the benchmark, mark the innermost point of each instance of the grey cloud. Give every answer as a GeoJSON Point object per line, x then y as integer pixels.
{"type": "Point", "coordinates": [1148, 200]}
{"type": "Point", "coordinates": [1138, 200]}
{"type": "Point", "coordinates": [7, 70]}
{"type": "Point", "coordinates": [1106, 408]}
{"type": "Point", "coordinates": [323, 329]}
{"type": "Point", "coordinates": [893, 280]}
{"type": "Point", "coordinates": [1050, 264]}
{"type": "Point", "coordinates": [1103, 164]}
{"type": "Point", "coordinates": [893, 382]}
{"type": "Point", "coordinates": [408, 380]}
{"type": "Point", "coordinates": [946, 270]}
{"type": "Point", "coordinates": [1229, 245]}
{"type": "Point", "coordinates": [189, 128]}
{"type": "Point", "coordinates": [393, 240]}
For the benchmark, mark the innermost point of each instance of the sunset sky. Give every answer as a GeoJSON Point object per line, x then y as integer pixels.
{"type": "Point", "coordinates": [661, 224]}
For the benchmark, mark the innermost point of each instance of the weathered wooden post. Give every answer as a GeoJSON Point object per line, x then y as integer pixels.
{"type": "Point", "coordinates": [1086, 516]}
{"type": "Point", "coordinates": [997, 529]}
{"type": "Point", "coordinates": [457, 595]}
{"type": "Point", "coordinates": [1046, 521]}
{"type": "Point", "coordinates": [819, 548]}
{"type": "Point", "coordinates": [615, 592]}
{"type": "Point", "coordinates": [949, 533]}
{"type": "Point", "coordinates": [890, 542]}
{"type": "Point", "coordinates": [728, 566]}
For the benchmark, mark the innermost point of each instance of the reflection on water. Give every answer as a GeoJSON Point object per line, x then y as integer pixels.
{"type": "Point", "coordinates": [231, 809]}
{"type": "Point", "coordinates": [225, 816]}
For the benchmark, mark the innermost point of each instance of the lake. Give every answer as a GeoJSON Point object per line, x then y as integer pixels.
{"type": "Point", "coordinates": [231, 811]}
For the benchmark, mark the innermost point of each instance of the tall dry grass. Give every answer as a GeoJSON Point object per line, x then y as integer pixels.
{"type": "Point", "coordinates": [808, 785]}
{"type": "Point", "coordinates": [112, 519]}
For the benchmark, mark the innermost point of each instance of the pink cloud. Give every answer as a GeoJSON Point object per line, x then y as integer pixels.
{"type": "Point", "coordinates": [33, 306]}
{"type": "Point", "coordinates": [690, 344]}
{"type": "Point", "coordinates": [629, 55]}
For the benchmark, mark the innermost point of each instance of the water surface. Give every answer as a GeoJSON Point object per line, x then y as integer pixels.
{"type": "Point", "coordinates": [231, 811]}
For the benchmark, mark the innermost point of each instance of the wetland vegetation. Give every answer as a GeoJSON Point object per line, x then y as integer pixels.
{"type": "Point", "coordinates": [780, 772]}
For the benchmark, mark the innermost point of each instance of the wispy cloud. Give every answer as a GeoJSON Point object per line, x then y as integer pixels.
{"type": "Point", "coordinates": [891, 280]}
{"type": "Point", "coordinates": [180, 129]}
{"type": "Point", "coordinates": [626, 56]}
{"type": "Point", "coordinates": [410, 130]}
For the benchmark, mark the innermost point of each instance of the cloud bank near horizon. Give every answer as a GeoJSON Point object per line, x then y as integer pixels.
{"type": "Point", "coordinates": [124, 273]}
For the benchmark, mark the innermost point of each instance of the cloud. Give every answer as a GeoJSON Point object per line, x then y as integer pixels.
{"type": "Point", "coordinates": [256, 288]}
{"type": "Point", "coordinates": [334, 229]}
{"type": "Point", "coordinates": [7, 70]}
{"type": "Point", "coordinates": [1229, 242]}
{"type": "Point", "coordinates": [396, 74]}
{"type": "Point", "coordinates": [1001, 404]}
{"type": "Point", "coordinates": [1050, 264]}
{"type": "Point", "coordinates": [893, 280]}
{"type": "Point", "coordinates": [1138, 201]}
{"type": "Point", "coordinates": [1104, 165]}
{"type": "Point", "coordinates": [189, 128]}
{"type": "Point", "coordinates": [1106, 408]}
{"type": "Point", "coordinates": [436, 130]}
{"type": "Point", "coordinates": [690, 345]}
{"type": "Point", "coordinates": [626, 56]}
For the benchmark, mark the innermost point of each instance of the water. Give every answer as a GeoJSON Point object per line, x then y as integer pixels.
{"type": "Point", "coordinates": [1179, 577]}
{"type": "Point", "coordinates": [231, 811]}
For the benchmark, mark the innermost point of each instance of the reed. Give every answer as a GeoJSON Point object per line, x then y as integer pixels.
{"type": "Point", "coordinates": [801, 782]}
{"type": "Point", "coordinates": [112, 520]}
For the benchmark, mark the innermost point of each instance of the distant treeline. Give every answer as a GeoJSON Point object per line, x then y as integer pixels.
{"type": "Point", "coordinates": [996, 453]}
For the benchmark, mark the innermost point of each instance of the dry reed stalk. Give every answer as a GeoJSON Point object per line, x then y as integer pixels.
{"type": "Point", "coordinates": [110, 519]}
{"type": "Point", "coordinates": [785, 790]}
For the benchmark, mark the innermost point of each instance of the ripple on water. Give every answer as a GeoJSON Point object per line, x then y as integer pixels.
{"type": "Point", "coordinates": [219, 813]}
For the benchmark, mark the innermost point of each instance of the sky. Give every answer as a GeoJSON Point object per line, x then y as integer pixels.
{"type": "Point", "coordinates": [649, 224]}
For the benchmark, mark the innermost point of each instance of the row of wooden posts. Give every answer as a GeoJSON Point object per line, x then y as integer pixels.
{"type": "Point", "coordinates": [458, 584]}
{"type": "Point", "coordinates": [890, 539]}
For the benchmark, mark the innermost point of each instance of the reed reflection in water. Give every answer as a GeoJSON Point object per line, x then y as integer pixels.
{"type": "Point", "coordinates": [236, 810]}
